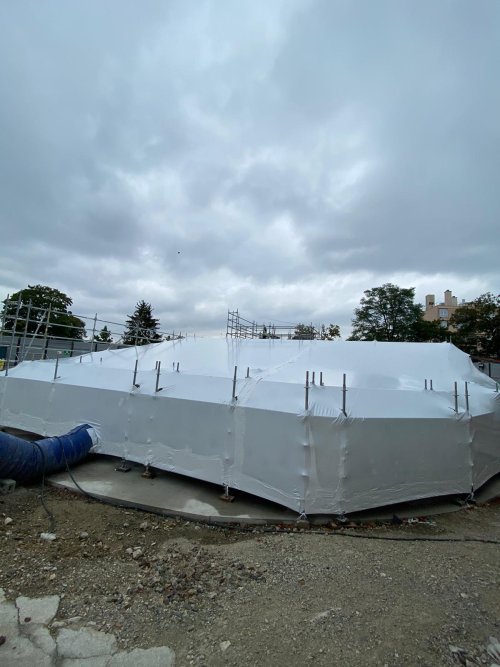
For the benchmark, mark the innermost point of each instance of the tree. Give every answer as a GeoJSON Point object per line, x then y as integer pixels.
{"type": "Point", "coordinates": [142, 327]}
{"type": "Point", "coordinates": [42, 306]}
{"type": "Point", "coordinates": [330, 333]}
{"type": "Point", "coordinates": [477, 326]}
{"type": "Point", "coordinates": [428, 331]}
{"type": "Point", "coordinates": [387, 313]}
{"type": "Point", "coordinates": [104, 336]}
{"type": "Point", "coordinates": [304, 332]}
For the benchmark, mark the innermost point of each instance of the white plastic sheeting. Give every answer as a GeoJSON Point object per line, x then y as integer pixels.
{"type": "Point", "coordinates": [397, 440]}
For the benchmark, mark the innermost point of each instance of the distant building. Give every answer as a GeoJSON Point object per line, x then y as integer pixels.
{"type": "Point", "coordinates": [443, 311]}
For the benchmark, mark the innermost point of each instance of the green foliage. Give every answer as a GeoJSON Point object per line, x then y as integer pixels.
{"type": "Point", "coordinates": [34, 301]}
{"type": "Point", "coordinates": [104, 336]}
{"type": "Point", "coordinates": [477, 326]}
{"type": "Point", "coordinates": [424, 331]}
{"type": "Point", "coordinates": [304, 332]}
{"type": "Point", "coordinates": [267, 334]}
{"type": "Point", "coordinates": [142, 327]}
{"type": "Point", "coordinates": [388, 313]}
{"type": "Point", "coordinates": [331, 332]}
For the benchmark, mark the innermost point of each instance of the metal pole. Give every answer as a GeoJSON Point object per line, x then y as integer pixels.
{"type": "Point", "coordinates": [57, 365]}
{"type": "Point", "coordinates": [177, 369]}
{"type": "Point", "coordinates": [93, 333]}
{"type": "Point", "coordinates": [25, 331]}
{"type": "Point", "coordinates": [467, 396]}
{"type": "Point", "coordinates": [425, 385]}
{"type": "Point", "coordinates": [314, 377]}
{"type": "Point", "coordinates": [248, 371]}
{"type": "Point", "coordinates": [456, 397]}
{"type": "Point", "coordinates": [4, 314]}
{"type": "Point", "coordinates": [134, 381]}
{"type": "Point", "coordinates": [157, 387]}
{"type": "Point", "coordinates": [321, 384]}
{"type": "Point", "coordinates": [489, 368]}
{"type": "Point", "coordinates": [234, 383]}
{"type": "Point", "coordinates": [432, 388]}
{"type": "Point", "coordinates": [307, 391]}
{"type": "Point", "coordinates": [46, 334]}
{"type": "Point", "coordinates": [14, 326]}
{"type": "Point", "coordinates": [344, 393]}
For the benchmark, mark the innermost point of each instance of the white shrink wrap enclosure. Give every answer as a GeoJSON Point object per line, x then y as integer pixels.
{"type": "Point", "coordinates": [374, 423]}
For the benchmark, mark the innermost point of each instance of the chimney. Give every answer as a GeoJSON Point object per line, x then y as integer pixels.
{"type": "Point", "coordinates": [454, 300]}
{"type": "Point", "coordinates": [448, 298]}
{"type": "Point", "coordinates": [429, 301]}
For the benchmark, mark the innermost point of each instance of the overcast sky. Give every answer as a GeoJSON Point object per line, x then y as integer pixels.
{"type": "Point", "coordinates": [276, 156]}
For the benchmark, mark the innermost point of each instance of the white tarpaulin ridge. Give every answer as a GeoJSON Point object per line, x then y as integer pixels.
{"type": "Point", "coordinates": [396, 440]}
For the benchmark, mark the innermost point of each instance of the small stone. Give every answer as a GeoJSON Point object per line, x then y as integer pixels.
{"type": "Point", "coordinates": [8, 520]}
{"type": "Point", "coordinates": [83, 535]}
{"type": "Point", "coordinates": [144, 525]}
{"type": "Point", "coordinates": [224, 646]}
{"type": "Point", "coordinates": [49, 537]}
{"type": "Point", "coordinates": [321, 616]}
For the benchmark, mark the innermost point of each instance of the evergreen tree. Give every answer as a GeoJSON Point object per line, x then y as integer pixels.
{"type": "Point", "coordinates": [304, 332]}
{"type": "Point", "coordinates": [331, 332]}
{"type": "Point", "coordinates": [142, 327]}
{"type": "Point", "coordinates": [104, 336]}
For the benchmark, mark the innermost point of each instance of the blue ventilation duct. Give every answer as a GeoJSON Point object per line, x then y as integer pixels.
{"type": "Point", "coordinates": [23, 460]}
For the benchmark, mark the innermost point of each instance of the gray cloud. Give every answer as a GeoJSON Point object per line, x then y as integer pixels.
{"type": "Point", "coordinates": [277, 157]}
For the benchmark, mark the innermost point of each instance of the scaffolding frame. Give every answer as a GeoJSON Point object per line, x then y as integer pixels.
{"type": "Point", "coordinates": [239, 327]}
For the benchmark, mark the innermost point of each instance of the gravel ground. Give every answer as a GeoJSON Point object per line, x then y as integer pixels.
{"type": "Point", "coordinates": [230, 597]}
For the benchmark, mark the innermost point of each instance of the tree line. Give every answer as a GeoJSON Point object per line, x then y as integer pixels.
{"type": "Point", "coordinates": [385, 313]}
{"type": "Point", "coordinates": [43, 310]}
{"type": "Point", "coordinates": [389, 313]}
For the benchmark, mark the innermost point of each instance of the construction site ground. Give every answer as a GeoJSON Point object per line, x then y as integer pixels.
{"type": "Point", "coordinates": [261, 596]}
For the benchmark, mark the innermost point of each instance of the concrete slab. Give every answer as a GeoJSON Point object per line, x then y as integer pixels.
{"type": "Point", "coordinates": [29, 643]}
{"type": "Point", "coordinates": [17, 650]}
{"type": "Point", "coordinates": [175, 495]}
{"type": "Point", "coordinates": [37, 610]}
{"type": "Point", "coordinates": [102, 661]}
{"type": "Point", "coordinates": [40, 637]}
{"type": "Point", "coordinates": [169, 494]}
{"type": "Point", "coordinates": [84, 643]}
{"type": "Point", "coordinates": [22, 653]}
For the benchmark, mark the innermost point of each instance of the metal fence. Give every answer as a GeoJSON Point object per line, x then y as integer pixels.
{"type": "Point", "coordinates": [27, 333]}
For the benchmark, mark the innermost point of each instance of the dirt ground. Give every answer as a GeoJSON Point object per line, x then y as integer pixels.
{"type": "Point", "coordinates": [232, 597]}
